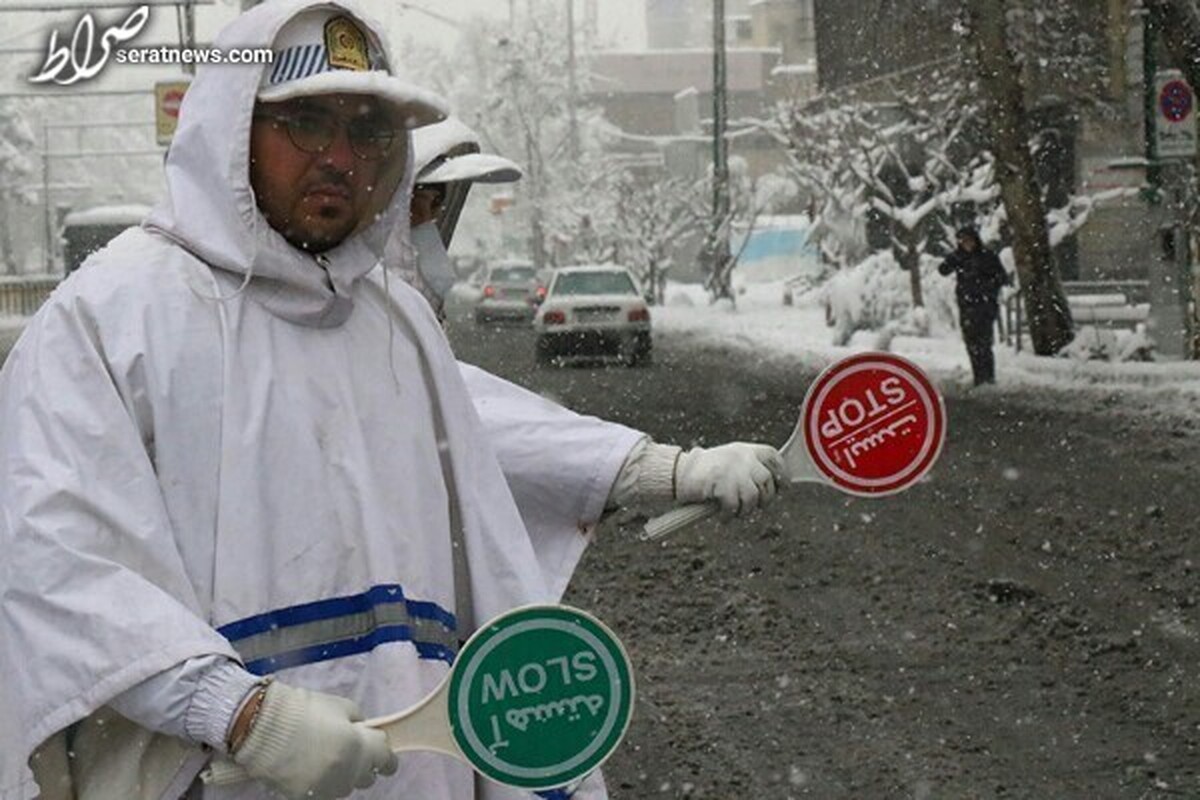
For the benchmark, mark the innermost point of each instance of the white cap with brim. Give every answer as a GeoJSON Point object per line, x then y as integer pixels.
{"type": "Point", "coordinates": [326, 51]}
{"type": "Point", "coordinates": [476, 167]}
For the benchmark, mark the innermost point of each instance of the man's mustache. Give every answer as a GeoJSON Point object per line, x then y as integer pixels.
{"type": "Point", "coordinates": [331, 177]}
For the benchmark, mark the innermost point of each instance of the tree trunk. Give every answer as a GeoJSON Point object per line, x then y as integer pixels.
{"type": "Point", "coordinates": [537, 231]}
{"type": "Point", "coordinates": [908, 255]}
{"type": "Point", "coordinates": [1050, 325]}
{"type": "Point", "coordinates": [913, 265]}
{"type": "Point", "coordinates": [718, 264]}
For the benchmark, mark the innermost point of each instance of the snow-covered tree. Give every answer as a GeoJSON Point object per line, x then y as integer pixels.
{"type": "Point", "coordinates": [1059, 46]}
{"type": "Point", "coordinates": [638, 222]}
{"type": "Point", "coordinates": [905, 165]}
{"type": "Point", "coordinates": [512, 84]}
{"type": "Point", "coordinates": [954, 143]}
{"type": "Point", "coordinates": [749, 198]}
{"type": "Point", "coordinates": [16, 170]}
{"type": "Point", "coordinates": [903, 175]}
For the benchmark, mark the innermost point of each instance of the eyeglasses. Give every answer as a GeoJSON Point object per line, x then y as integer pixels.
{"type": "Point", "coordinates": [313, 130]}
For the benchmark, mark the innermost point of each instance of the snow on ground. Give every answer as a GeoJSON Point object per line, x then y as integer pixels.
{"type": "Point", "coordinates": [765, 328]}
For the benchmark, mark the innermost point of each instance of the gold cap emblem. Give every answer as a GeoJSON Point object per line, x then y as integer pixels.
{"type": "Point", "coordinates": [346, 45]}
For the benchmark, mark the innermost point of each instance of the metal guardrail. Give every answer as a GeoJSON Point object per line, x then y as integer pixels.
{"type": "Point", "coordinates": [1135, 296]}
{"type": "Point", "coordinates": [22, 295]}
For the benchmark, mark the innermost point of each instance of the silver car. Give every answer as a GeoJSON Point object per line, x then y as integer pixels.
{"type": "Point", "coordinates": [510, 292]}
{"type": "Point", "coordinates": [593, 312]}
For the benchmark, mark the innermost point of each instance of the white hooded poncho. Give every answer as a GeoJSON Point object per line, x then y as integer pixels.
{"type": "Point", "coordinates": [183, 475]}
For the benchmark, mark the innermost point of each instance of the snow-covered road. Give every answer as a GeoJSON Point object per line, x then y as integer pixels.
{"type": "Point", "coordinates": [762, 327]}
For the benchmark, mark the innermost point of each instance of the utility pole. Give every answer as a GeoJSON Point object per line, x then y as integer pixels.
{"type": "Point", "coordinates": [1149, 106]}
{"type": "Point", "coordinates": [49, 225]}
{"type": "Point", "coordinates": [572, 88]}
{"type": "Point", "coordinates": [720, 203]}
{"type": "Point", "coordinates": [1167, 174]}
{"type": "Point", "coordinates": [187, 32]}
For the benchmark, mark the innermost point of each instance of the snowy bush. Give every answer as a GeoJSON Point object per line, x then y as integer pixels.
{"type": "Point", "coordinates": [684, 295]}
{"type": "Point", "coordinates": [875, 295]}
{"type": "Point", "coordinates": [1092, 343]}
{"type": "Point", "coordinates": [1137, 346]}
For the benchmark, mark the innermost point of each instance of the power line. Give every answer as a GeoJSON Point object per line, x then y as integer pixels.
{"type": "Point", "coordinates": [23, 34]}
{"type": "Point", "coordinates": [77, 93]}
{"type": "Point", "coordinates": [104, 124]}
{"type": "Point", "coordinates": [106, 153]}
{"type": "Point", "coordinates": [99, 4]}
{"type": "Point", "coordinates": [433, 14]}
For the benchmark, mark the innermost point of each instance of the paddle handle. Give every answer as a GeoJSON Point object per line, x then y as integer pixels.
{"type": "Point", "coordinates": [677, 519]}
{"type": "Point", "coordinates": [425, 726]}
{"type": "Point", "coordinates": [800, 469]}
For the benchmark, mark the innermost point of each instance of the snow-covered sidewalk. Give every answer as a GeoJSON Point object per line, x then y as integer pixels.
{"type": "Point", "coordinates": [763, 328]}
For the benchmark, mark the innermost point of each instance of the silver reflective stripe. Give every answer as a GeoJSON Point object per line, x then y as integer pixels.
{"type": "Point", "coordinates": [299, 62]}
{"type": "Point", "coordinates": [279, 641]}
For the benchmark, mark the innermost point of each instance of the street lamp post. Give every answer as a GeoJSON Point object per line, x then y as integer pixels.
{"type": "Point", "coordinates": [572, 90]}
{"type": "Point", "coordinates": [185, 17]}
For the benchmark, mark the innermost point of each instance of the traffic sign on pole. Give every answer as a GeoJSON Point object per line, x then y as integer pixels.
{"type": "Point", "coordinates": [1174, 116]}
{"type": "Point", "coordinates": [168, 96]}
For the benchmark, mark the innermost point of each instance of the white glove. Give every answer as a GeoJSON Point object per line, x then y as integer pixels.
{"type": "Point", "coordinates": [312, 746]}
{"type": "Point", "coordinates": [740, 476]}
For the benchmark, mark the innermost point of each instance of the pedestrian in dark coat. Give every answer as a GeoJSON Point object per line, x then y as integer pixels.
{"type": "Point", "coordinates": [979, 276]}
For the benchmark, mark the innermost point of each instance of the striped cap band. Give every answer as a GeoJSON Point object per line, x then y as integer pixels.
{"type": "Point", "coordinates": [299, 62]}
{"type": "Point", "coordinates": [302, 61]}
{"type": "Point", "coordinates": [319, 41]}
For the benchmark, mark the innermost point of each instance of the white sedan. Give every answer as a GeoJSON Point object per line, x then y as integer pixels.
{"type": "Point", "coordinates": [593, 312]}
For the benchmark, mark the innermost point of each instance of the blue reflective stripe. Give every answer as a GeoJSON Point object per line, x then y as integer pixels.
{"type": "Point", "coordinates": [555, 794]}
{"type": "Point", "coordinates": [342, 626]}
{"type": "Point", "coordinates": [336, 607]}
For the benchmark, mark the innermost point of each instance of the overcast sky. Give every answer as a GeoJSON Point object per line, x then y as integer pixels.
{"type": "Point", "coordinates": [622, 23]}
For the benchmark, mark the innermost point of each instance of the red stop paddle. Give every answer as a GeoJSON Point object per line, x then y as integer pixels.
{"type": "Point", "coordinates": [871, 425]}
